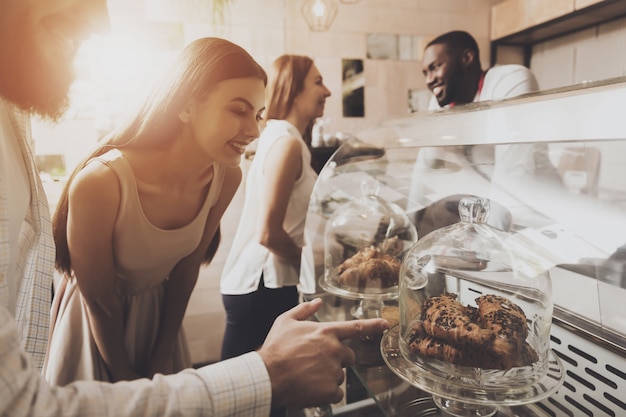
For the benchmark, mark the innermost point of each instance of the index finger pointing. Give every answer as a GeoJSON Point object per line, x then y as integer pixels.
{"type": "Point", "coordinates": [304, 311]}
{"type": "Point", "coordinates": [348, 329]}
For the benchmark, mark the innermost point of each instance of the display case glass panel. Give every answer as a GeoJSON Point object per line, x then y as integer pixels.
{"type": "Point", "coordinates": [552, 165]}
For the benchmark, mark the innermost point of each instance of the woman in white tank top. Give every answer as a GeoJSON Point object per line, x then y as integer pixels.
{"type": "Point", "coordinates": [261, 274]}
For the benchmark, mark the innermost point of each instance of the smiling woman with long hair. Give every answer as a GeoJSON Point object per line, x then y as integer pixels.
{"type": "Point", "coordinates": [137, 216]}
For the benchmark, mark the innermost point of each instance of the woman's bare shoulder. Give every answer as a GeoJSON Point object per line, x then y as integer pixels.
{"type": "Point", "coordinates": [95, 180]}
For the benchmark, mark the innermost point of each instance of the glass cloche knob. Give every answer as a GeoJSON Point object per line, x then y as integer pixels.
{"type": "Point", "coordinates": [474, 209]}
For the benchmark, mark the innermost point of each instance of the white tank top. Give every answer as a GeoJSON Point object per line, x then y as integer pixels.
{"type": "Point", "coordinates": [248, 259]}
{"type": "Point", "coordinates": [145, 254]}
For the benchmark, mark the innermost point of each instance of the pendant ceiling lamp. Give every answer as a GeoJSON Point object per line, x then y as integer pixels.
{"type": "Point", "coordinates": [319, 14]}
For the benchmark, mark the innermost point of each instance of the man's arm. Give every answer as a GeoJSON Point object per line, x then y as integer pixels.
{"type": "Point", "coordinates": [237, 387]}
{"type": "Point", "coordinates": [303, 359]}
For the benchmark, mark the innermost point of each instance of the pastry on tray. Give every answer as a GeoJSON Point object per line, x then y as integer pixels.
{"type": "Point", "coordinates": [492, 336]}
{"type": "Point", "coordinates": [369, 268]}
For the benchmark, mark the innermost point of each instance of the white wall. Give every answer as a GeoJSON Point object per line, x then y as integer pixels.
{"type": "Point", "coordinates": [593, 54]}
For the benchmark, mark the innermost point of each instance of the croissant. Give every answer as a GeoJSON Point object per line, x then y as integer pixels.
{"type": "Point", "coordinates": [447, 319]}
{"type": "Point", "coordinates": [491, 336]}
{"type": "Point", "coordinates": [424, 345]}
{"type": "Point", "coordinates": [369, 268]}
{"type": "Point", "coordinates": [507, 321]}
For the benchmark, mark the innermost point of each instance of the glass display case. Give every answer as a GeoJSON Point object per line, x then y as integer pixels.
{"type": "Point", "coordinates": [552, 166]}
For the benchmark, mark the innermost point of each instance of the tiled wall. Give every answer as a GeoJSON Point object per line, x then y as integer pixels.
{"type": "Point", "coordinates": [273, 27]}
{"type": "Point", "coordinates": [592, 54]}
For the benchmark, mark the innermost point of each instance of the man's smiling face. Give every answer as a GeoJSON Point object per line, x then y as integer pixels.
{"type": "Point", "coordinates": [444, 73]}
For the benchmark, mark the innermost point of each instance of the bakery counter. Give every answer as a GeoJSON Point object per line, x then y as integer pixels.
{"type": "Point", "coordinates": [551, 165]}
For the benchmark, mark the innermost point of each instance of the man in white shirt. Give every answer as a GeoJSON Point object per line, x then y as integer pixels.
{"type": "Point", "coordinates": [300, 363]}
{"type": "Point", "coordinates": [451, 65]}
{"type": "Point", "coordinates": [453, 73]}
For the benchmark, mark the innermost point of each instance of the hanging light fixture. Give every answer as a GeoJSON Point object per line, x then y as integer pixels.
{"type": "Point", "coordinates": [319, 14]}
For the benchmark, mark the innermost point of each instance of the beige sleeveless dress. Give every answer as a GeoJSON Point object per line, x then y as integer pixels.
{"type": "Point", "coordinates": [144, 256]}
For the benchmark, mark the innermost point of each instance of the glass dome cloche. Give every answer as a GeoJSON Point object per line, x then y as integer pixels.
{"type": "Point", "coordinates": [364, 241]}
{"type": "Point", "coordinates": [475, 316]}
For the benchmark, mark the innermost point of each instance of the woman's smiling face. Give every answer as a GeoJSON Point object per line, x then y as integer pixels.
{"type": "Point", "coordinates": [227, 120]}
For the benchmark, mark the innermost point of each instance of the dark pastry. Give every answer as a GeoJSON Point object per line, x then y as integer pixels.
{"type": "Point", "coordinates": [491, 336]}
{"type": "Point", "coordinates": [427, 346]}
{"type": "Point", "coordinates": [447, 319]}
{"type": "Point", "coordinates": [507, 322]}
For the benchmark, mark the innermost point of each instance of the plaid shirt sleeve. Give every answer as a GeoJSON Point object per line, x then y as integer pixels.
{"type": "Point", "coordinates": [236, 387]}
{"type": "Point", "coordinates": [31, 275]}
